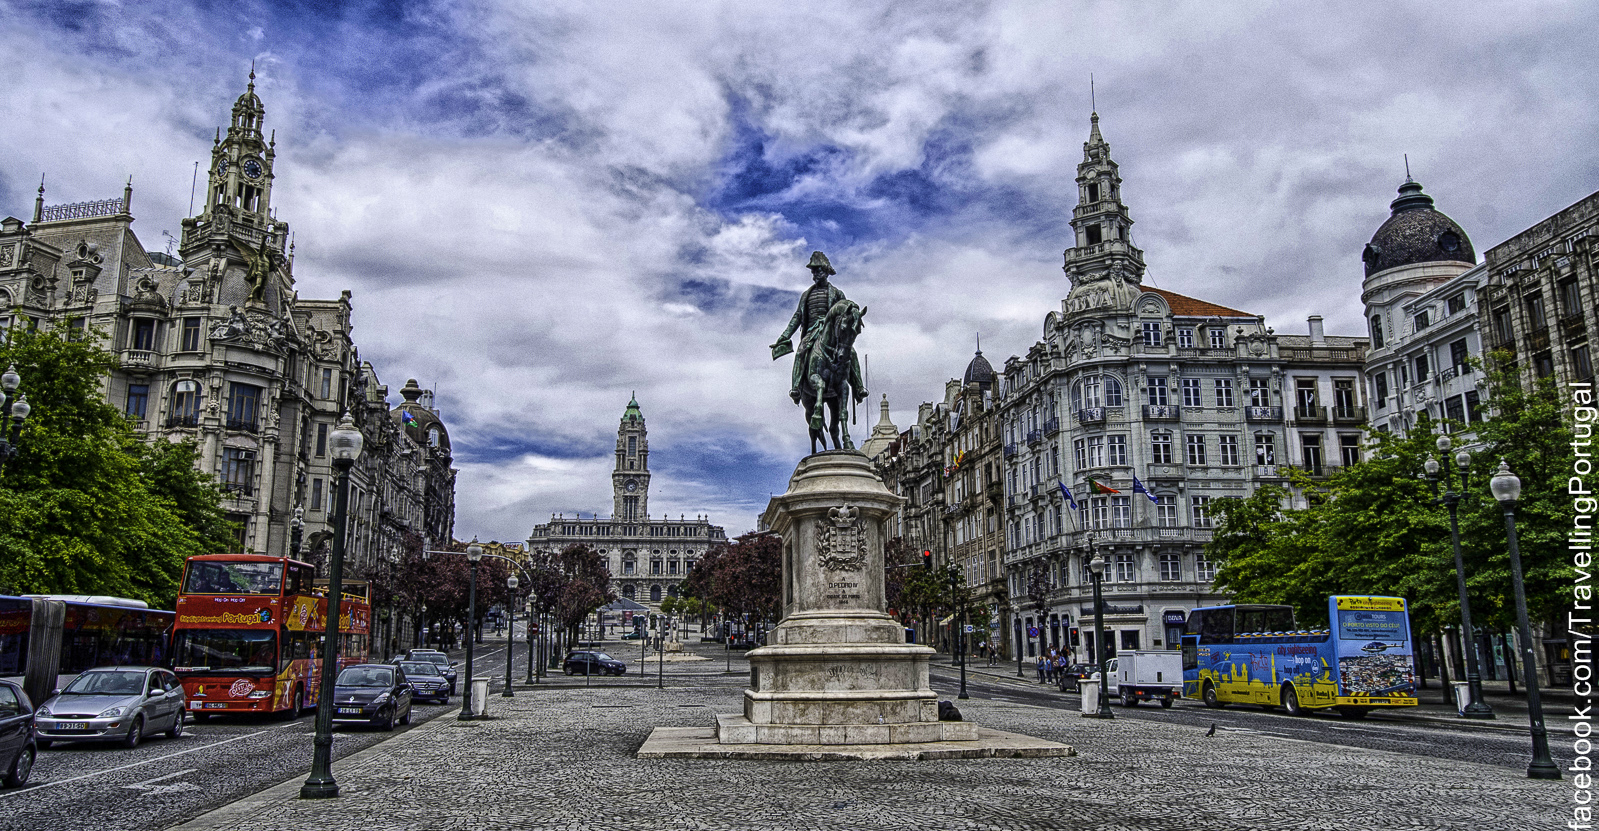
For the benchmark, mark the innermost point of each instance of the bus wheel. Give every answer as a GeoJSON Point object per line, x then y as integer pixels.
{"type": "Point", "coordinates": [299, 701]}
{"type": "Point", "coordinates": [1291, 701]}
{"type": "Point", "coordinates": [1354, 712]}
{"type": "Point", "coordinates": [1209, 695]}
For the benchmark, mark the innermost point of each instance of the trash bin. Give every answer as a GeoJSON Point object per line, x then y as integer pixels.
{"type": "Point", "coordinates": [480, 696]}
{"type": "Point", "coordinates": [1462, 695]}
{"type": "Point", "coordinates": [1090, 691]}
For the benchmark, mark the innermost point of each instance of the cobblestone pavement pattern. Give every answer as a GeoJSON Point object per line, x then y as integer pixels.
{"type": "Point", "coordinates": [563, 758]}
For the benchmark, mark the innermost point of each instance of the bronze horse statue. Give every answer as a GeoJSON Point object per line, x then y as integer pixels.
{"type": "Point", "coordinates": [831, 377]}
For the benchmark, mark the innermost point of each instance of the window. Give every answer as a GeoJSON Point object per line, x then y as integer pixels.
{"type": "Point", "coordinates": [1265, 449]}
{"type": "Point", "coordinates": [1455, 304]}
{"type": "Point", "coordinates": [1344, 396]}
{"type": "Point", "coordinates": [1096, 451]}
{"type": "Point", "coordinates": [1379, 384]}
{"type": "Point", "coordinates": [1421, 367]}
{"type": "Point", "coordinates": [1455, 408]}
{"type": "Point", "coordinates": [629, 566]}
{"type": "Point", "coordinates": [1259, 392]}
{"type": "Point", "coordinates": [143, 335]}
{"type": "Point", "coordinates": [1152, 333]}
{"type": "Point", "coordinates": [1196, 450]}
{"type": "Point", "coordinates": [138, 398]}
{"type": "Point", "coordinates": [1581, 363]}
{"type": "Point", "coordinates": [316, 494]}
{"type": "Point", "coordinates": [1094, 234]}
{"type": "Point", "coordinates": [238, 470]}
{"type": "Point", "coordinates": [1199, 506]}
{"type": "Point", "coordinates": [1224, 392]}
{"type": "Point", "coordinates": [1166, 511]}
{"type": "Point", "coordinates": [1185, 338]}
{"type": "Point", "coordinates": [1171, 569]}
{"type": "Point", "coordinates": [1422, 320]}
{"type": "Point", "coordinates": [1093, 191]}
{"type": "Point", "coordinates": [1543, 365]}
{"type": "Point", "coordinates": [189, 339]}
{"type": "Point", "coordinates": [1376, 332]}
{"type": "Point", "coordinates": [655, 594]}
{"type": "Point", "coordinates": [321, 440]}
{"type": "Point", "coordinates": [632, 445]}
{"type": "Point", "coordinates": [185, 403]}
{"type": "Point", "coordinates": [1348, 449]}
{"type": "Point", "coordinates": [1121, 512]}
{"type": "Point", "coordinates": [1310, 451]}
{"type": "Point", "coordinates": [1191, 392]}
{"type": "Point", "coordinates": [1503, 334]}
{"type": "Point", "coordinates": [243, 403]}
{"type": "Point", "coordinates": [327, 383]}
{"type": "Point", "coordinates": [1227, 450]}
{"type": "Point", "coordinates": [1570, 298]}
{"type": "Point", "coordinates": [1125, 573]}
{"type": "Point", "coordinates": [1458, 354]}
{"type": "Point", "coordinates": [671, 566]}
{"type": "Point", "coordinates": [1054, 461]}
{"type": "Point", "coordinates": [1155, 390]}
{"type": "Point", "coordinates": [1101, 507]}
{"type": "Point", "coordinates": [1536, 319]}
{"type": "Point", "coordinates": [1160, 448]}
{"type": "Point", "coordinates": [655, 566]}
{"type": "Point", "coordinates": [1116, 447]}
{"type": "Point", "coordinates": [1218, 337]}
{"type": "Point", "coordinates": [1305, 394]}
{"type": "Point", "coordinates": [1079, 448]}
{"type": "Point", "coordinates": [1204, 569]}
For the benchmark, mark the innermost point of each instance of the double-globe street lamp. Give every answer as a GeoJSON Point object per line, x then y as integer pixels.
{"type": "Point", "coordinates": [345, 446]}
{"type": "Point", "coordinates": [1476, 708]}
{"type": "Point", "coordinates": [1507, 489]}
{"type": "Point", "coordinates": [1096, 567]}
{"type": "Point", "coordinates": [510, 634]}
{"type": "Point", "coordinates": [474, 554]}
{"type": "Point", "coordinates": [13, 409]}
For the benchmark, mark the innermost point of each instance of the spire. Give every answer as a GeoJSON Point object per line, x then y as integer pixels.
{"type": "Point", "coordinates": [127, 197]}
{"type": "Point", "coordinates": [38, 202]}
{"type": "Point", "coordinates": [1102, 242]}
{"type": "Point", "coordinates": [1094, 138]}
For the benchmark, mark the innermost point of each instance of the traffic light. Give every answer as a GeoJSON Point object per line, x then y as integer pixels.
{"type": "Point", "coordinates": [927, 558]}
{"type": "Point", "coordinates": [1075, 640]}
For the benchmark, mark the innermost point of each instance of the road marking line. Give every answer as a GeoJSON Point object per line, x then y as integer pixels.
{"type": "Point", "coordinates": [41, 787]}
{"type": "Point", "coordinates": [146, 783]}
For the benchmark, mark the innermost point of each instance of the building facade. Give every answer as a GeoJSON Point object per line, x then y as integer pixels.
{"type": "Point", "coordinates": [216, 347]}
{"type": "Point", "coordinates": [648, 558]}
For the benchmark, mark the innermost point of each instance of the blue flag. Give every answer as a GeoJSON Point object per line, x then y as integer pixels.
{"type": "Point", "coordinates": [1067, 492]}
{"type": "Point", "coordinates": [1138, 487]}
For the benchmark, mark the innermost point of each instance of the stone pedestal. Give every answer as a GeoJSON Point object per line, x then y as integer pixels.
{"type": "Point", "coordinates": [837, 670]}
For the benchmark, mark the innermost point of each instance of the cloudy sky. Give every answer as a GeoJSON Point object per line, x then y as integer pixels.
{"type": "Point", "coordinates": [542, 207]}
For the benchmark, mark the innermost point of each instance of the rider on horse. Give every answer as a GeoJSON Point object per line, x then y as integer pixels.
{"type": "Point", "coordinates": [809, 320]}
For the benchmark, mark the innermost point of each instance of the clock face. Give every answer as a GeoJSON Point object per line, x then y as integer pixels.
{"type": "Point", "coordinates": [252, 168]}
{"type": "Point", "coordinates": [631, 486]}
{"type": "Point", "coordinates": [222, 168]}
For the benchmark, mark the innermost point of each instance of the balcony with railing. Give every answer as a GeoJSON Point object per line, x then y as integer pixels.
{"type": "Point", "coordinates": [1051, 426]}
{"type": "Point", "coordinates": [1447, 373]}
{"type": "Point", "coordinates": [180, 421]}
{"type": "Point", "coordinates": [242, 425]}
{"type": "Point", "coordinates": [1349, 415]}
{"type": "Point", "coordinates": [1035, 436]}
{"type": "Point", "coordinates": [1273, 414]}
{"type": "Point", "coordinates": [1091, 415]}
{"type": "Point", "coordinates": [237, 489]}
{"type": "Point", "coordinates": [1162, 412]}
{"type": "Point", "coordinates": [1010, 451]}
{"type": "Point", "coordinates": [1310, 414]}
{"type": "Point", "coordinates": [1267, 472]}
{"type": "Point", "coordinates": [138, 359]}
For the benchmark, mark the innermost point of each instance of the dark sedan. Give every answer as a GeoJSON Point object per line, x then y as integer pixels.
{"type": "Point", "coordinates": [446, 666]}
{"type": "Point", "coordinates": [1071, 677]}
{"type": "Point", "coordinates": [426, 680]}
{"type": "Point", "coordinates": [593, 663]}
{"type": "Point", "coordinates": [376, 694]}
{"type": "Point", "coordinates": [17, 746]}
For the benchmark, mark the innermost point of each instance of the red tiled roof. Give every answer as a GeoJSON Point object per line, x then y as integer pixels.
{"type": "Point", "coordinates": [1186, 306]}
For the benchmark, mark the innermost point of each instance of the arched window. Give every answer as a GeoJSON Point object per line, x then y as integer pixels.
{"type": "Point", "coordinates": [185, 409]}
{"type": "Point", "coordinates": [655, 594]}
{"type": "Point", "coordinates": [1113, 391]}
{"type": "Point", "coordinates": [629, 591]}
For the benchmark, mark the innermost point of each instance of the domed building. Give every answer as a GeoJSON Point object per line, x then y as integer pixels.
{"type": "Point", "coordinates": [1419, 291]}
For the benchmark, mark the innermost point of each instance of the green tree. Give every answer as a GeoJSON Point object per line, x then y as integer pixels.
{"type": "Point", "coordinates": [85, 506]}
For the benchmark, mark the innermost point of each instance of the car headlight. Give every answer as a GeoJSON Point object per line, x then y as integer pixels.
{"type": "Point", "coordinates": [114, 711]}
{"type": "Point", "coordinates": [43, 711]}
{"type": "Point", "coordinates": [382, 697]}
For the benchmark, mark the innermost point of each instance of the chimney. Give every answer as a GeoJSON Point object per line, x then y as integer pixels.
{"type": "Point", "coordinates": [1317, 336]}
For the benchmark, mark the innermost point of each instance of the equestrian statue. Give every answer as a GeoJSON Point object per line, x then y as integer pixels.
{"type": "Point", "coordinates": [827, 373]}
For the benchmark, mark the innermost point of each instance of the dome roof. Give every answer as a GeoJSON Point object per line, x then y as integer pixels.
{"type": "Point", "coordinates": [979, 372]}
{"type": "Point", "coordinates": [418, 420]}
{"type": "Point", "coordinates": [1416, 232]}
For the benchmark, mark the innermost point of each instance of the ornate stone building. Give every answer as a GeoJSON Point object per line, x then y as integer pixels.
{"type": "Point", "coordinates": [215, 346]}
{"type": "Point", "coordinates": [647, 557]}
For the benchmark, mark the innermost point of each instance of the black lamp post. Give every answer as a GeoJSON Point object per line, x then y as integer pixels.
{"type": "Point", "coordinates": [1096, 566]}
{"type": "Point", "coordinates": [345, 445]}
{"type": "Point", "coordinates": [14, 408]}
{"type": "Point", "coordinates": [1016, 643]}
{"type": "Point", "coordinates": [510, 635]}
{"type": "Point", "coordinates": [1476, 707]}
{"type": "Point", "coordinates": [528, 625]}
{"type": "Point", "coordinates": [474, 552]}
{"type": "Point", "coordinates": [959, 641]}
{"type": "Point", "coordinates": [296, 531]}
{"type": "Point", "coordinates": [1507, 489]}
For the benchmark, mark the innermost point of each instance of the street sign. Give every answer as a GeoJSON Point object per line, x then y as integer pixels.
{"type": "Point", "coordinates": [1032, 631]}
{"type": "Point", "coordinates": [970, 628]}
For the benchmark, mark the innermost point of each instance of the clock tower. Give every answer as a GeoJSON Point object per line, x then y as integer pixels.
{"type": "Point", "coordinates": [630, 481]}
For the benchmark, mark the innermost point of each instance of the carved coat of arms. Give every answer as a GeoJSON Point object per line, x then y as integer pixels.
{"type": "Point", "coordinates": [841, 540]}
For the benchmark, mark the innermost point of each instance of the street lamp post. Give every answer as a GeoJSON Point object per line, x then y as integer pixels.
{"type": "Point", "coordinates": [345, 445]}
{"type": "Point", "coordinates": [1096, 566]}
{"type": "Point", "coordinates": [959, 642]}
{"type": "Point", "coordinates": [510, 635]}
{"type": "Point", "coordinates": [529, 626]}
{"type": "Point", "coordinates": [1507, 489]}
{"type": "Point", "coordinates": [1016, 642]}
{"type": "Point", "coordinates": [1476, 708]}
{"type": "Point", "coordinates": [474, 553]}
{"type": "Point", "coordinates": [14, 408]}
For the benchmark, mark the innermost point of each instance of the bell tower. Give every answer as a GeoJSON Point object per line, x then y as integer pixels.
{"type": "Point", "coordinates": [1102, 227]}
{"type": "Point", "coordinates": [630, 481]}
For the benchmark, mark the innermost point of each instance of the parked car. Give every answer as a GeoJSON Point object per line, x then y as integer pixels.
{"type": "Point", "coordinates": [377, 694]}
{"type": "Point", "coordinates": [592, 663]}
{"type": "Point", "coordinates": [121, 704]}
{"type": "Point", "coordinates": [18, 747]}
{"type": "Point", "coordinates": [426, 680]}
{"type": "Point", "coordinates": [446, 666]}
{"type": "Point", "coordinates": [1071, 677]}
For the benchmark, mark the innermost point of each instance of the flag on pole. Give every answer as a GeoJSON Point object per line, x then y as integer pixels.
{"type": "Point", "coordinates": [1138, 487]}
{"type": "Point", "coordinates": [1068, 494]}
{"type": "Point", "coordinates": [1096, 487]}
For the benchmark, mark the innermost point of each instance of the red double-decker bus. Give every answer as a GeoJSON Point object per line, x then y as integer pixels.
{"type": "Point", "coordinates": [248, 635]}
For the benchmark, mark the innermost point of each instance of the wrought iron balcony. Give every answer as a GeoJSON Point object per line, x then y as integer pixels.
{"type": "Point", "coordinates": [1035, 436]}
{"type": "Point", "coordinates": [1091, 415]}
{"type": "Point", "coordinates": [1162, 412]}
{"type": "Point", "coordinates": [1313, 414]}
{"type": "Point", "coordinates": [242, 425]}
{"type": "Point", "coordinates": [176, 421]}
{"type": "Point", "coordinates": [1349, 414]}
{"type": "Point", "coordinates": [1010, 450]}
{"type": "Point", "coordinates": [1263, 414]}
{"type": "Point", "coordinates": [1051, 426]}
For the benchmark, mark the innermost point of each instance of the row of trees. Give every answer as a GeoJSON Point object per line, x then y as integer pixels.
{"type": "Point", "coordinates": [742, 578]}
{"type": "Point", "coordinates": [1375, 527]}
{"type": "Point", "coordinates": [86, 506]}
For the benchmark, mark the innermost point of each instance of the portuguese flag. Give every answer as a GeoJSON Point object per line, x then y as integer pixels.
{"type": "Point", "coordinates": [1096, 487]}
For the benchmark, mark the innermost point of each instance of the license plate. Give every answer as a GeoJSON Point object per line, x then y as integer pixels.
{"type": "Point", "coordinates": [215, 705]}
{"type": "Point", "coordinates": [349, 711]}
{"type": "Point", "coordinates": [72, 725]}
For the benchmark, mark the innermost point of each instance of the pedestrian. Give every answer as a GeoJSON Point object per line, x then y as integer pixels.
{"type": "Point", "coordinates": [1042, 658]}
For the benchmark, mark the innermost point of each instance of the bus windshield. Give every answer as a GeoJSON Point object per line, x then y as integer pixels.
{"type": "Point", "coordinates": [222, 577]}
{"type": "Point", "coordinates": [225, 651]}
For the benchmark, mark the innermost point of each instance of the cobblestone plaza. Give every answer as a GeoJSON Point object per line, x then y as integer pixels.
{"type": "Point", "coordinates": [563, 757]}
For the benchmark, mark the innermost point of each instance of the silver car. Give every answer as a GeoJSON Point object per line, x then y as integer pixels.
{"type": "Point", "coordinates": [122, 704]}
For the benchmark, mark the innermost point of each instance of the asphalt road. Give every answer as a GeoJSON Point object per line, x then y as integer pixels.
{"type": "Point", "coordinates": [1501, 745]}
{"type": "Point", "coordinates": [165, 781]}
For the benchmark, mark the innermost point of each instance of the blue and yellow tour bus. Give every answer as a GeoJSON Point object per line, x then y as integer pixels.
{"type": "Point", "coordinates": [1255, 654]}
